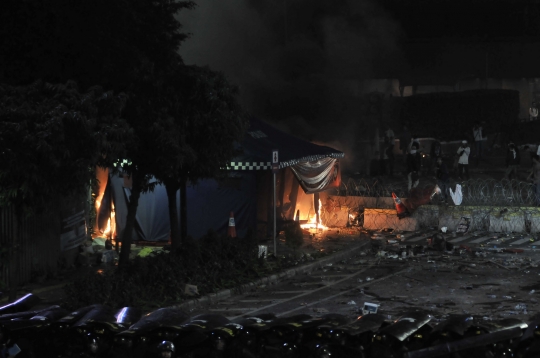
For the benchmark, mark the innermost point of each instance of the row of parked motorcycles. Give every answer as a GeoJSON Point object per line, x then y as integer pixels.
{"type": "Point", "coordinates": [100, 331]}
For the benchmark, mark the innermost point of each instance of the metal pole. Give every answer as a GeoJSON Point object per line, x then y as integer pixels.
{"type": "Point", "coordinates": [275, 200]}
{"type": "Point", "coordinates": [110, 208]}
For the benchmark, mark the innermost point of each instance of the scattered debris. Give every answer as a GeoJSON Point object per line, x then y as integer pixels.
{"type": "Point", "coordinates": [191, 290]}
{"type": "Point", "coordinates": [493, 262]}
{"type": "Point", "coordinates": [320, 310]}
{"type": "Point", "coordinates": [463, 225]}
{"type": "Point", "coordinates": [513, 251]}
{"type": "Point", "coordinates": [369, 308]}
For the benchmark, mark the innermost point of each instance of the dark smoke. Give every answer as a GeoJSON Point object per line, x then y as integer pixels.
{"type": "Point", "coordinates": [298, 63]}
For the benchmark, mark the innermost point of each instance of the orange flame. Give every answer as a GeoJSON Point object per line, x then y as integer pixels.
{"type": "Point", "coordinates": [110, 229]}
{"type": "Point", "coordinates": [312, 223]}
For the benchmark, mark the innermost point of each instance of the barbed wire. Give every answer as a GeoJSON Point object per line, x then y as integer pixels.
{"type": "Point", "coordinates": [490, 192]}
{"type": "Point", "coordinates": [489, 205]}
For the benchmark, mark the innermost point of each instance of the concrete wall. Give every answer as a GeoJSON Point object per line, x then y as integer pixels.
{"type": "Point", "coordinates": [380, 213]}
{"type": "Point", "coordinates": [376, 219]}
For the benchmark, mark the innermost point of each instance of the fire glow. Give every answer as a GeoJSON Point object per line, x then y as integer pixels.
{"type": "Point", "coordinates": [312, 223]}
{"type": "Point", "coordinates": [110, 228]}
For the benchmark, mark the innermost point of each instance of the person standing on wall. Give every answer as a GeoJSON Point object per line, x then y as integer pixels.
{"type": "Point", "coordinates": [536, 178]}
{"type": "Point", "coordinates": [388, 149]}
{"type": "Point", "coordinates": [478, 138]}
{"type": "Point", "coordinates": [388, 155]}
{"type": "Point", "coordinates": [435, 153]}
{"type": "Point", "coordinates": [463, 153]}
{"type": "Point", "coordinates": [404, 140]}
{"type": "Point", "coordinates": [443, 179]}
{"type": "Point", "coordinates": [533, 112]}
{"type": "Point", "coordinates": [388, 134]}
{"type": "Point", "coordinates": [415, 142]}
{"type": "Point", "coordinates": [531, 149]}
{"type": "Point", "coordinates": [513, 160]}
{"type": "Point", "coordinates": [413, 167]}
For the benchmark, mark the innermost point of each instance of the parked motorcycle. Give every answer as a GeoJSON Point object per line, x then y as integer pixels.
{"type": "Point", "coordinates": [142, 338]}
{"type": "Point", "coordinates": [25, 337]}
{"type": "Point", "coordinates": [407, 333]}
{"type": "Point", "coordinates": [24, 303]}
{"type": "Point", "coordinates": [96, 330]}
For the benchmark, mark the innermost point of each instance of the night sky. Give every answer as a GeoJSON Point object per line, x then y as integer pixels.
{"type": "Point", "coordinates": [298, 62]}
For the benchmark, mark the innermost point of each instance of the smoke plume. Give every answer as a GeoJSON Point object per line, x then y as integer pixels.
{"type": "Point", "coordinates": [298, 63]}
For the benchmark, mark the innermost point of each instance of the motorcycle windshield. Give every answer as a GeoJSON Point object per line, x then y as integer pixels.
{"type": "Point", "coordinates": [24, 303]}
{"type": "Point", "coordinates": [50, 314]}
{"type": "Point", "coordinates": [207, 321]}
{"type": "Point", "coordinates": [128, 316]}
{"type": "Point", "coordinates": [406, 325]}
{"type": "Point", "coordinates": [75, 316]}
{"type": "Point", "coordinates": [456, 324]}
{"type": "Point", "coordinates": [98, 314]}
{"type": "Point", "coordinates": [158, 318]}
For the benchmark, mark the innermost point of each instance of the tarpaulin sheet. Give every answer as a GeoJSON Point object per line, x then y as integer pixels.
{"type": "Point", "coordinates": [209, 204]}
{"type": "Point", "coordinates": [318, 175]}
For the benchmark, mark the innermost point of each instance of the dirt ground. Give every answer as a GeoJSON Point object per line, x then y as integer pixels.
{"type": "Point", "coordinates": [497, 286]}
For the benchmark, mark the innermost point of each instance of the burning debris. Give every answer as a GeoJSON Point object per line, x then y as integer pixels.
{"type": "Point", "coordinates": [313, 221]}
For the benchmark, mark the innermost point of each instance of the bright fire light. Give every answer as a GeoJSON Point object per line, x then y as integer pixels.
{"type": "Point", "coordinates": [111, 222]}
{"type": "Point", "coordinates": [312, 221]}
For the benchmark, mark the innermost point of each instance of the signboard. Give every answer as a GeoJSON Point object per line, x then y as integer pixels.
{"type": "Point", "coordinates": [275, 161]}
{"type": "Point", "coordinates": [73, 231]}
{"type": "Point", "coordinates": [275, 157]}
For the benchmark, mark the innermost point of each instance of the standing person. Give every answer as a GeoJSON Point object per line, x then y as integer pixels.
{"type": "Point", "coordinates": [389, 156]}
{"type": "Point", "coordinates": [388, 134]}
{"type": "Point", "coordinates": [533, 112]}
{"type": "Point", "coordinates": [478, 138]}
{"type": "Point", "coordinates": [536, 177]}
{"type": "Point", "coordinates": [443, 178]}
{"type": "Point", "coordinates": [463, 153]}
{"type": "Point", "coordinates": [435, 153]}
{"type": "Point", "coordinates": [413, 168]}
{"type": "Point", "coordinates": [404, 140]}
{"type": "Point", "coordinates": [513, 161]}
{"type": "Point", "coordinates": [532, 152]}
{"type": "Point", "coordinates": [415, 142]}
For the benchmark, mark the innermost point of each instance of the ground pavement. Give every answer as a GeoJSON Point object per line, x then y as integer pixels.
{"type": "Point", "coordinates": [479, 273]}
{"type": "Point", "coordinates": [397, 272]}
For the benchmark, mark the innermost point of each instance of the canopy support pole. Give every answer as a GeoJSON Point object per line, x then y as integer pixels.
{"type": "Point", "coordinates": [275, 200]}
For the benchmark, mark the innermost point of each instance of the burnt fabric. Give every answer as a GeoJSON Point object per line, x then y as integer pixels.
{"type": "Point", "coordinates": [317, 175]}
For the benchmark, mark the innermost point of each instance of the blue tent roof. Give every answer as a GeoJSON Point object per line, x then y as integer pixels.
{"type": "Point", "coordinates": [262, 139]}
